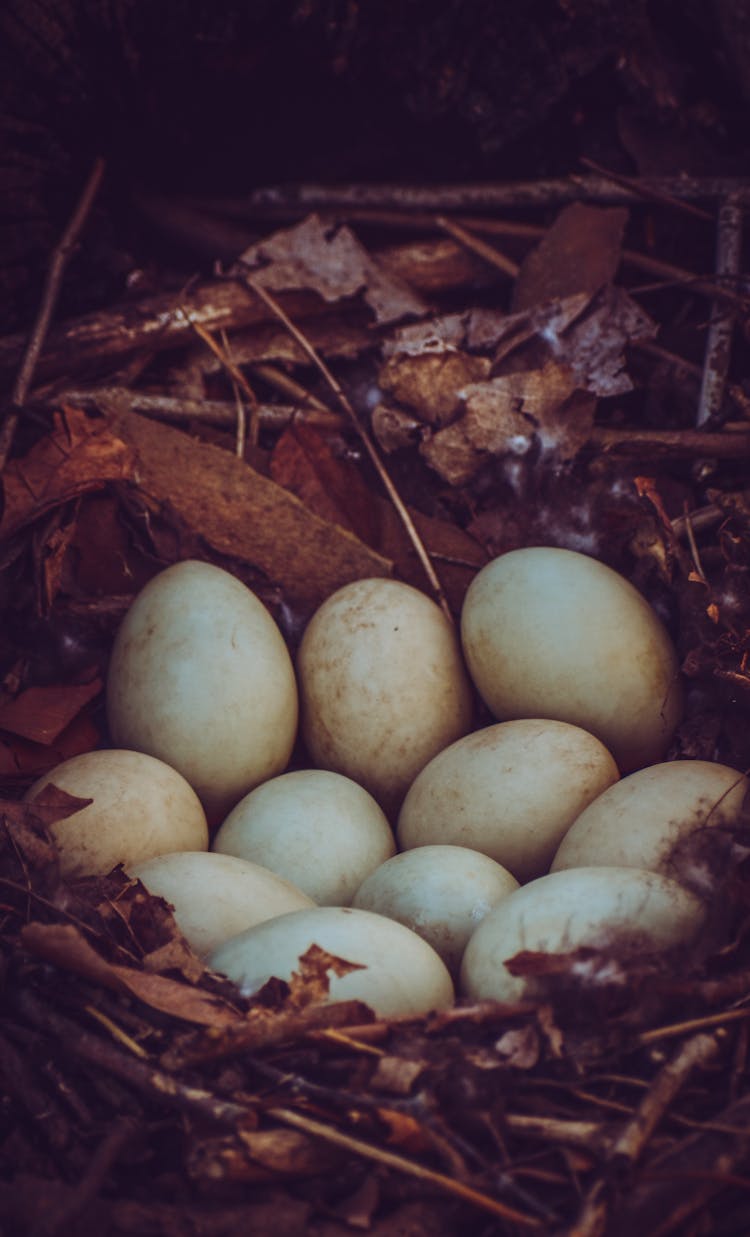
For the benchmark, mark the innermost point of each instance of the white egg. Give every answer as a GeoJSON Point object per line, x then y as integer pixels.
{"type": "Point", "coordinates": [553, 633]}
{"type": "Point", "coordinates": [200, 676]}
{"type": "Point", "coordinates": [623, 909]}
{"type": "Point", "coordinates": [215, 897]}
{"type": "Point", "coordinates": [643, 819]}
{"type": "Point", "coordinates": [398, 973]}
{"type": "Point", "coordinates": [319, 830]}
{"type": "Point", "coordinates": [511, 791]}
{"type": "Point", "coordinates": [440, 892]}
{"type": "Point", "coordinates": [141, 808]}
{"type": "Point", "coordinates": [382, 685]}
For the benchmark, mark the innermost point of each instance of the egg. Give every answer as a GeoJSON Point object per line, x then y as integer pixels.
{"type": "Point", "coordinates": [318, 829]}
{"type": "Point", "coordinates": [643, 819]}
{"type": "Point", "coordinates": [141, 808]}
{"type": "Point", "coordinates": [382, 685]}
{"type": "Point", "coordinates": [200, 676]}
{"type": "Point", "coordinates": [553, 633]}
{"type": "Point", "coordinates": [440, 892]}
{"type": "Point", "coordinates": [398, 973]}
{"type": "Point", "coordinates": [510, 790]}
{"type": "Point", "coordinates": [215, 897]}
{"type": "Point", "coordinates": [623, 909]}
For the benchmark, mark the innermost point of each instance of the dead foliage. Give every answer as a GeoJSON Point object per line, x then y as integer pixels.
{"type": "Point", "coordinates": [142, 1093]}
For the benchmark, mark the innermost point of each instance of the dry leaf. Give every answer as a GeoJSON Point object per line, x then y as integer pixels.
{"type": "Point", "coordinates": [64, 946]}
{"type": "Point", "coordinates": [79, 455]}
{"type": "Point", "coordinates": [42, 713]}
{"type": "Point", "coordinates": [579, 253]}
{"type": "Point", "coordinates": [304, 462]}
{"type": "Point", "coordinates": [244, 515]}
{"type": "Point", "coordinates": [329, 260]}
{"type": "Point", "coordinates": [505, 414]}
{"type": "Point", "coordinates": [311, 984]}
{"type": "Point", "coordinates": [431, 384]}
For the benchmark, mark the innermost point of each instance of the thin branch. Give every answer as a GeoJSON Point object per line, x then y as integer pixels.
{"type": "Point", "coordinates": [285, 200]}
{"type": "Point", "coordinates": [234, 372]}
{"type": "Point", "coordinates": [178, 408]}
{"type": "Point", "coordinates": [367, 442]}
{"type": "Point", "coordinates": [721, 326]}
{"type": "Point", "coordinates": [50, 293]}
{"type": "Point", "coordinates": [479, 247]}
{"type": "Point", "coordinates": [673, 443]}
{"type": "Point", "coordinates": [695, 1052]}
{"type": "Point", "coordinates": [390, 1159]}
{"type": "Point", "coordinates": [642, 189]}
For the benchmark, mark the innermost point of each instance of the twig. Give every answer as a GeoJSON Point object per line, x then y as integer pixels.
{"type": "Point", "coordinates": [240, 419]}
{"type": "Point", "coordinates": [285, 200]}
{"type": "Point", "coordinates": [286, 385]}
{"type": "Point", "coordinates": [391, 1160]}
{"type": "Point", "coordinates": [177, 408]}
{"type": "Point", "coordinates": [52, 284]}
{"type": "Point", "coordinates": [695, 1052]}
{"type": "Point", "coordinates": [235, 373]}
{"type": "Point", "coordinates": [694, 553]}
{"type": "Point", "coordinates": [694, 1024]}
{"type": "Point", "coordinates": [367, 442]}
{"type": "Point", "coordinates": [78, 1198]}
{"type": "Point", "coordinates": [20, 1085]}
{"type": "Point", "coordinates": [721, 326]}
{"type": "Point", "coordinates": [643, 189]}
{"type": "Point", "coordinates": [479, 247]}
{"type": "Point", "coordinates": [674, 443]}
{"type": "Point", "coordinates": [153, 1082]}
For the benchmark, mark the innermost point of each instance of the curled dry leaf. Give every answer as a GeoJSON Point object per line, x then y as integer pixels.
{"type": "Point", "coordinates": [504, 415]}
{"type": "Point", "coordinates": [330, 261]}
{"type": "Point", "coordinates": [431, 384]}
{"type": "Point", "coordinates": [310, 984]}
{"type": "Point", "coordinates": [79, 455]}
{"type": "Point", "coordinates": [65, 946]}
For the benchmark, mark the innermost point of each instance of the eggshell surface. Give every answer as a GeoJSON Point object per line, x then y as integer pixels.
{"type": "Point", "coordinates": [643, 819]}
{"type": "Point", "coordinates": [399, 973]}
{"type": "Point", "coordinates": [553, 633]}
{"type": "Point", "coordinates": [141, 808]}
{"type": "Point", "coordinates": [382, 685]}
{"type": "Point", "coordinates": [440, 892]}
{"type": "Point", "coordinates": [605, 908]}
{"type": "Point", "coordinates": [318, 829]}
{"type": "Point", "coordinates": [215, 897]}
{"type": "Point", "coordinates": [511, 791]}
{"type": "Point", "coordinates": [200, 676]}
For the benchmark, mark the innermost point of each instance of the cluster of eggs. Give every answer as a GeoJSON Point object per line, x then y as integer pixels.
{"type": "Point", "coordinates": [426, 853]}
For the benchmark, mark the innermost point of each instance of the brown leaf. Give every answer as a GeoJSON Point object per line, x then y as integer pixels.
{"type": "Point", "coordinates": [579, 253]}
{"type": "Point", "coordinates": [42, 713]}
{"type": "Point", "coordinates": [64, 946]}
{"type": "Point", "coordinates": [310, 984]}
{"type": "Point", "coordinates": [431, 384]}
{"type": "Point", "coordinates": [304, 462]}
{"type": "Point", "coordinates": [331, 261]}
{"type": "Point", "coordinates": [502, 417]}
{"type": "Point", "coordinates": [21, 758]}
{"type": "Point", "coordinates": [240, 513]}
{"type": "Point", "coordinates": [79, 455]}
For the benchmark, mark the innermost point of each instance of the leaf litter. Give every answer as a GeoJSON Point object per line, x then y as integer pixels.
{"type": "Point", "coordinates": [514, 1117]}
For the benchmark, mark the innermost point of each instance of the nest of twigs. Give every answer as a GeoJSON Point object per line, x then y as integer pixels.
{"type": "Point", "coordinates": [408, 383]}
